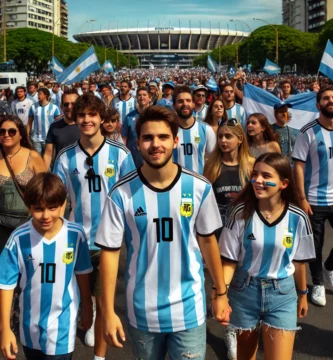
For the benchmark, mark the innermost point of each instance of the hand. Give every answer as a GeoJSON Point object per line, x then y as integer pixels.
{"type": "Point", "coordinates": [8, 344]}
{"type": "Point", "coordinates": [237, 76]}
{"type": "Point", "coordinates": [302, 306]}
{"type": "Point", "coordinates": [112, 328]}
{"type": "Point", "coordinates": [306, 207]}
{"type": "Point", "coordinates": [86, 315]}
{"type": "Point", "coordinates": [221, 310]}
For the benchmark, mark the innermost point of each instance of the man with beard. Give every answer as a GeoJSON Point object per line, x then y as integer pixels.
{"type": "Point", "coordinates": [199, 97]}
{"type": "Point", "coordinates": [196, 139]}
{"type": "Point", "coordinates": [124, 103]}
{"type": "Point", "coordinates": [166, 214]}
{"type": "Point", "coordinates": [313, 157]}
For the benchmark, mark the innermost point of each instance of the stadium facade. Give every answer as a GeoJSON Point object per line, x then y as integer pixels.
{"type": "Point", "coordinates": [163, 46]}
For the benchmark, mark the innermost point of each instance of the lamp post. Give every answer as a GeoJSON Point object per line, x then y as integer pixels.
{"type": "Point", "coordinates": [243, 22]}
{"type": "Point", "coordinates": [105, 48]}
{"type": "Point", "coordinates": [54, 24]}
{"type": "Point", "coordinates": [276, 39]}
{"type": "Point", "coordinates": [116, 47]}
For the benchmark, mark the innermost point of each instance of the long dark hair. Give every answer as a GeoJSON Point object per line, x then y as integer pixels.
{"type": "Point", "coordinates": [209, 116]}
{"type": "Point", "coordinates": [269, 134]}
{"type": "Point", "coordinates": [21, 128]}
{"type": "Point", "coordinates": [281, 165]}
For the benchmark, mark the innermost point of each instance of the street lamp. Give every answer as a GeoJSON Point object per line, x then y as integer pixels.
{"type": "Point", "coordinates": [105, 48]}
{"type": "Point", "coordinates": [276, 39]}
{"type": "Point", "coordinates": [54, 24]}
{"type": "Point", "coordinates": [116, 47]}
{"type": "Point", "coordinates": [243, 22]}
{"type": "Point", "coordinates": [4, 30]}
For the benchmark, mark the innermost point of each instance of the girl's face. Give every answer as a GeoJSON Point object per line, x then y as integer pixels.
{"type": "Point", "coordinates": [226, 140]}
{"type": "Point", "coordinates": [110, 126]}
{"type": "Point", "coordinates": [218, 109]}
{"type": "Point", "coordinates": [266, 182]}
{"type": "Point", "coordinates": [254, 127]}
{"type": "Point", "coordinates": [9, 135]}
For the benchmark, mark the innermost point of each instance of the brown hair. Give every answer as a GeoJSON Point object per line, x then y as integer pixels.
{"type": "Point", "coordinates": [158, 113]}
{"type": "Point", "coordinates": [179, 90]}
{"type": "Point", "coordinates": [321, 92]}
{"type": "Point", "coordinates": [209, 116]}
{"type": "Point", "coordinates": [268, 133]}
{"type": "Point", "coordinates": [69, 92]}
{"type": "Point", "coordinates": [281, 165]}
{"type": "Point", "coordinates": [24, 142]}
{"type": "Point", "coordinates": [89, 102]}
{"type": "Point", "coordinates": [45, 189]}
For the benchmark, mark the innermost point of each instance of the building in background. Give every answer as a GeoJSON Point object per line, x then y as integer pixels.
{"type": "Point", "coordinates": [307, 15]}
{"type": "Point", "coordinates": [39, 14]}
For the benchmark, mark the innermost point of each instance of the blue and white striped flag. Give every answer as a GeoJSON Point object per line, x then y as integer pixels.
{"type": "Point", "coordinates": [326, 64]}
{"type": "Point", "coordinates": [303, 105]}
{"type": "Point", "coordinates": [211, 84]}
{"type": "Point", "coordinates": [108, 67]}
{"type": "Point", "coordinates": [81, 68]}
{"type": "Point", "coordinates": [232, 71]}
{"type": "Point", "coordinates": [212, 65]}
{"type": "Point", "coordinates": [271, 68]}
{"type": "Point", "coordinates": [56, 66]}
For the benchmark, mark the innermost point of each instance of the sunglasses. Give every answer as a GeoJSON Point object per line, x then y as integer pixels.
{"type": "Point", "coordinates": [91, 172]}
{"type": "Point", "coordinates": [200, 95]}
{"type": "Point", "coordinates": [66, 104]}
{"type": "Point", "coordinates": [11, 132]}
{"type": "Point", "coordinates": [229, 122]}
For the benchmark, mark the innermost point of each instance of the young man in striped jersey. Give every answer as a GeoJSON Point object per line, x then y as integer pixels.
{"type": "Point", "coordinates": [313, 159]}
{"type": "Point", "coordinates": [234, 110]}
{"type": "Point", "coordinates": [56, 96]}
{"type": "Point", "coordinates": [51, 254]}
{"type": "Point", "coordinates": [89, 168]}
{"type": "Point", "coordinates": [32, 92]}
{"type": "Point", "coordinates": [124, 103]}
{"type": "Point", "coordinates": [167, 216]}
{"type": "Point", "coordinates": [21, 105]}
{"type": "Point", "coordinates": [196, 139]}
{"type": "Point", "coordinates": [199, 98]}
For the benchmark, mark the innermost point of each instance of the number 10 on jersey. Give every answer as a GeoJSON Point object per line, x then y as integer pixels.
{"type": "Point", "coordinates": [164, 229]}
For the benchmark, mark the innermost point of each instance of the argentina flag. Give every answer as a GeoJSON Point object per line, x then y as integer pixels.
{"type": "Point", "coordinates": [211, 64]}
{"type": "Point", "coordinates": [326, 64]}
{"type": "Point", "coordinates": [108, 67]}
{"type": "Point", "coordinates": [211, 84]}
{"type": "Point", "coordinates": [271, 68]}
{"type": "Point", "coordinates": [81, 68]}
{"type": "Point", "coordinates": [56, 67]}
{"type": "Point", "coordinates": [303, 105]}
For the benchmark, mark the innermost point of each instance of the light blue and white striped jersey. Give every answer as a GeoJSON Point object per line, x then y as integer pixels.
{"type": "Point", "coordinates": [201, 114]}
{"type": "Point", "coordinates": [43, 117]}
{"type": "Point", "coordinates": [166, 102]}
{"type": "Point", "coordinates": [56, 99]}
{"type": "Point", "coordinates": [164, 274]}
{"type": "Point", "coordinates": [267, 250]}
{"type": "Point", "coordinates": [194, 144]}
{"type": "Point", "coordinates": [111, 162]}
{"type": "Point", "coordinates": [33, 98]}
{"type": "Point", "coordinates": [50, 298]}
{"type": "Point", "coordinates": [314, 147]}
{"type": "Point", "coordinates": [123, 107]}
{"type": "Point", "coordinates": [128, 131]}
{"type": "Point", "coordinates": [21, 109]}
{"type": "Point", "coordinates": [237, 112]}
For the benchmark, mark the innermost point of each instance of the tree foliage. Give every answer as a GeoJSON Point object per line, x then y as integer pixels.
{"type": "Point", "coordinates": [31, 49]}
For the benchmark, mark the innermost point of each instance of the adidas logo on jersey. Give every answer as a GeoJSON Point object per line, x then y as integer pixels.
{"type": "Point", "coordinates": [321, 143]}
{"type": "Point", "coordinates": [140, 212]}
{"type": "Point", "coordinates": [251, 237]}
{"type": "Point", "coordinates": [29, 257]}
{"type": "Point", "coordinates": [76, 171]}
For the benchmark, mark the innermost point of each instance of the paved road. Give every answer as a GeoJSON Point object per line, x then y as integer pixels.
{"type": "Point", "coordinates": [314, 342]}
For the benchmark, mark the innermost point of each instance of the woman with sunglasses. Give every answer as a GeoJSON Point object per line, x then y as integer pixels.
{"type": "Point", "coordinates": [265, 244]}
{"type": "Point", "coordinates": [229, 169]}
{"type": "Point", "coordinates": [111, 125]}
{"type": "Point", "coordinates": [24, 163]}
{"type": "Point", "coordinates": [216, 114]}
{"type": "Point", "coordinates": [260, 135]}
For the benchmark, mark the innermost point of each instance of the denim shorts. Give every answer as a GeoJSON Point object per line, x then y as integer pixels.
{"type": "Point", "coordinates": [257, 301]}
{"type": "Point", "coordinates": [181, 345]}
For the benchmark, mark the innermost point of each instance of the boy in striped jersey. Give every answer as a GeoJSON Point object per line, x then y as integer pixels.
{"type": "Point", "coordinates": [167, 216]}
{"type": "Point", "coordinates": [196, 139]}
{"type": "Point", "coordinates": [89, 168]}
{"type": "Point", "coordinates": [233, 109]}
{"type": "Point", "coordinates": [313, 158]}
{"type": "Point", "coordinates": [124, 103]}
{"type": "Point", "coordinates": [52, 257]}
{"type": "Point", "coordinates": [56, 96]}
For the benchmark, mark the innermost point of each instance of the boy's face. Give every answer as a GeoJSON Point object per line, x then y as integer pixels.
{"type": "Point", "coordinates": [44, 218]}
{"type": "Point", "coordinates": [89, 122]}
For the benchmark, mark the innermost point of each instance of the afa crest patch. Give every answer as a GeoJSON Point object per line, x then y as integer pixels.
{"type": "Point", "coordinates": [68, 256]}
{"type": "Point", "coordinates": [186, 207]}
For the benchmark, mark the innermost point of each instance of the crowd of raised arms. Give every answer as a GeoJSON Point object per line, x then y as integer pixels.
{"type": "Point", "coordinates": [188, 180]}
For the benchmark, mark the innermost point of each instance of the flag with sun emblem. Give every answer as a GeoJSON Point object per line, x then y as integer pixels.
{"type": "Point", "coordinates": [81, 68]}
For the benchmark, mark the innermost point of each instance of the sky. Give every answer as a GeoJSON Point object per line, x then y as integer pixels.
{"type": "Point", "coordinates": [108, 13]}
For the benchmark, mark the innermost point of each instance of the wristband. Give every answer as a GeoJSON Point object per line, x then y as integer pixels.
{"type": "Point", "coordinates": [222, 294]}
{"type": "Point", "coordinates": [214, 288]}
{"type": "Point", "coordinates": [302, 292]}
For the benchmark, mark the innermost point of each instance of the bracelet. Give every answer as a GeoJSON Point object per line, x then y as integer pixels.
{"type": "Point", "coordinates": [302, 292]}
{"type": "Point", "coordinates": [214, 288]}
{"type": "Point", "coordinates": [222, 294]}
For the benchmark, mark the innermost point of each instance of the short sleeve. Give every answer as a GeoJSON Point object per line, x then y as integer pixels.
{"type": "Point", "coordinates": [49, 137]}
{"type": "Point", "coordinates": [127, 165]}
{"type": "Point", "coordinates": [211, 140]}
{"type": "Point", "coordinates": [124, 128]}
{"type": "Point", "coordinates": [231, 239]}
{"type": "Point", "coordinates": [208, 219]}
{"type": "Point", "coordinates": [58, 169]}
{"type": "Point", "coordinates": [31, 111]}
{"type": "Point", "coordinates": [10, 271]}
{"type": "Point", "coordinates": [305, 249]}
{"type": "Point", "coordinates": [111, 228]}
{"type": "Point", "coordinates": [301, 148]}
{"type": "Point", "coordinates": [83, 262]}
{"type": "Point", "coordinates": [56, 111]}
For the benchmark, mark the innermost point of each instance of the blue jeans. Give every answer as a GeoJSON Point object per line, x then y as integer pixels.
{"type": "Point", "coordinates": [39, 147]}
{"type": "Point", "coordinates": [255, 301]}
{"type": "Point", "coordinates": [182, 345]}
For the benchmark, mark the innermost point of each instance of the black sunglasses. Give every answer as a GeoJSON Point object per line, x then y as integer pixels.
{"type": "Point", "coordinates": [229, 122]}
{"type": "Point", "coordinates": [66, 104]}
{"type": "Point", "coordinates": [91, 172]}
{"type": "Point", "coordinates": [11, 132]}
{"type": "Point", "coordinates": [200, 95]}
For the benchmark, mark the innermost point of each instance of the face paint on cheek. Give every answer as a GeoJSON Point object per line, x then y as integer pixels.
{"type": "Point", "coordinates": [267, 183]}
{"type": "Point", "coordinates": [253, 181]}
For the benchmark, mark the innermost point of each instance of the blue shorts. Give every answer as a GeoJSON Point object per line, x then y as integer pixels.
{"type": "Point", "coordinates": [187, 344]}
{"type": "Point", "coordinates": [257, 301]}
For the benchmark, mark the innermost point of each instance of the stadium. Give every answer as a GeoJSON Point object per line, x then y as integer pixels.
{"type": "Point", "coordinates": [163, 46]}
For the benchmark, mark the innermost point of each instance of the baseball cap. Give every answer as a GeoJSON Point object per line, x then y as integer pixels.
{"type": "Point", "coordinates": [153, 83]}
{"type": "Point", "coordinates": [170, 83]}
{"type": "Point", "coordinates": [199, 87]}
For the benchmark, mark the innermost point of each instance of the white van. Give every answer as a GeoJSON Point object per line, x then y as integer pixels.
{"type": "Point", "coordinates": [12, 80]}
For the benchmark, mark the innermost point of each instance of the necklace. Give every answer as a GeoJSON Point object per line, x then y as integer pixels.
{"type": "Point", "coordinates": [269, 215]}
{"type": "Point", "coordinates": [11, 156]}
